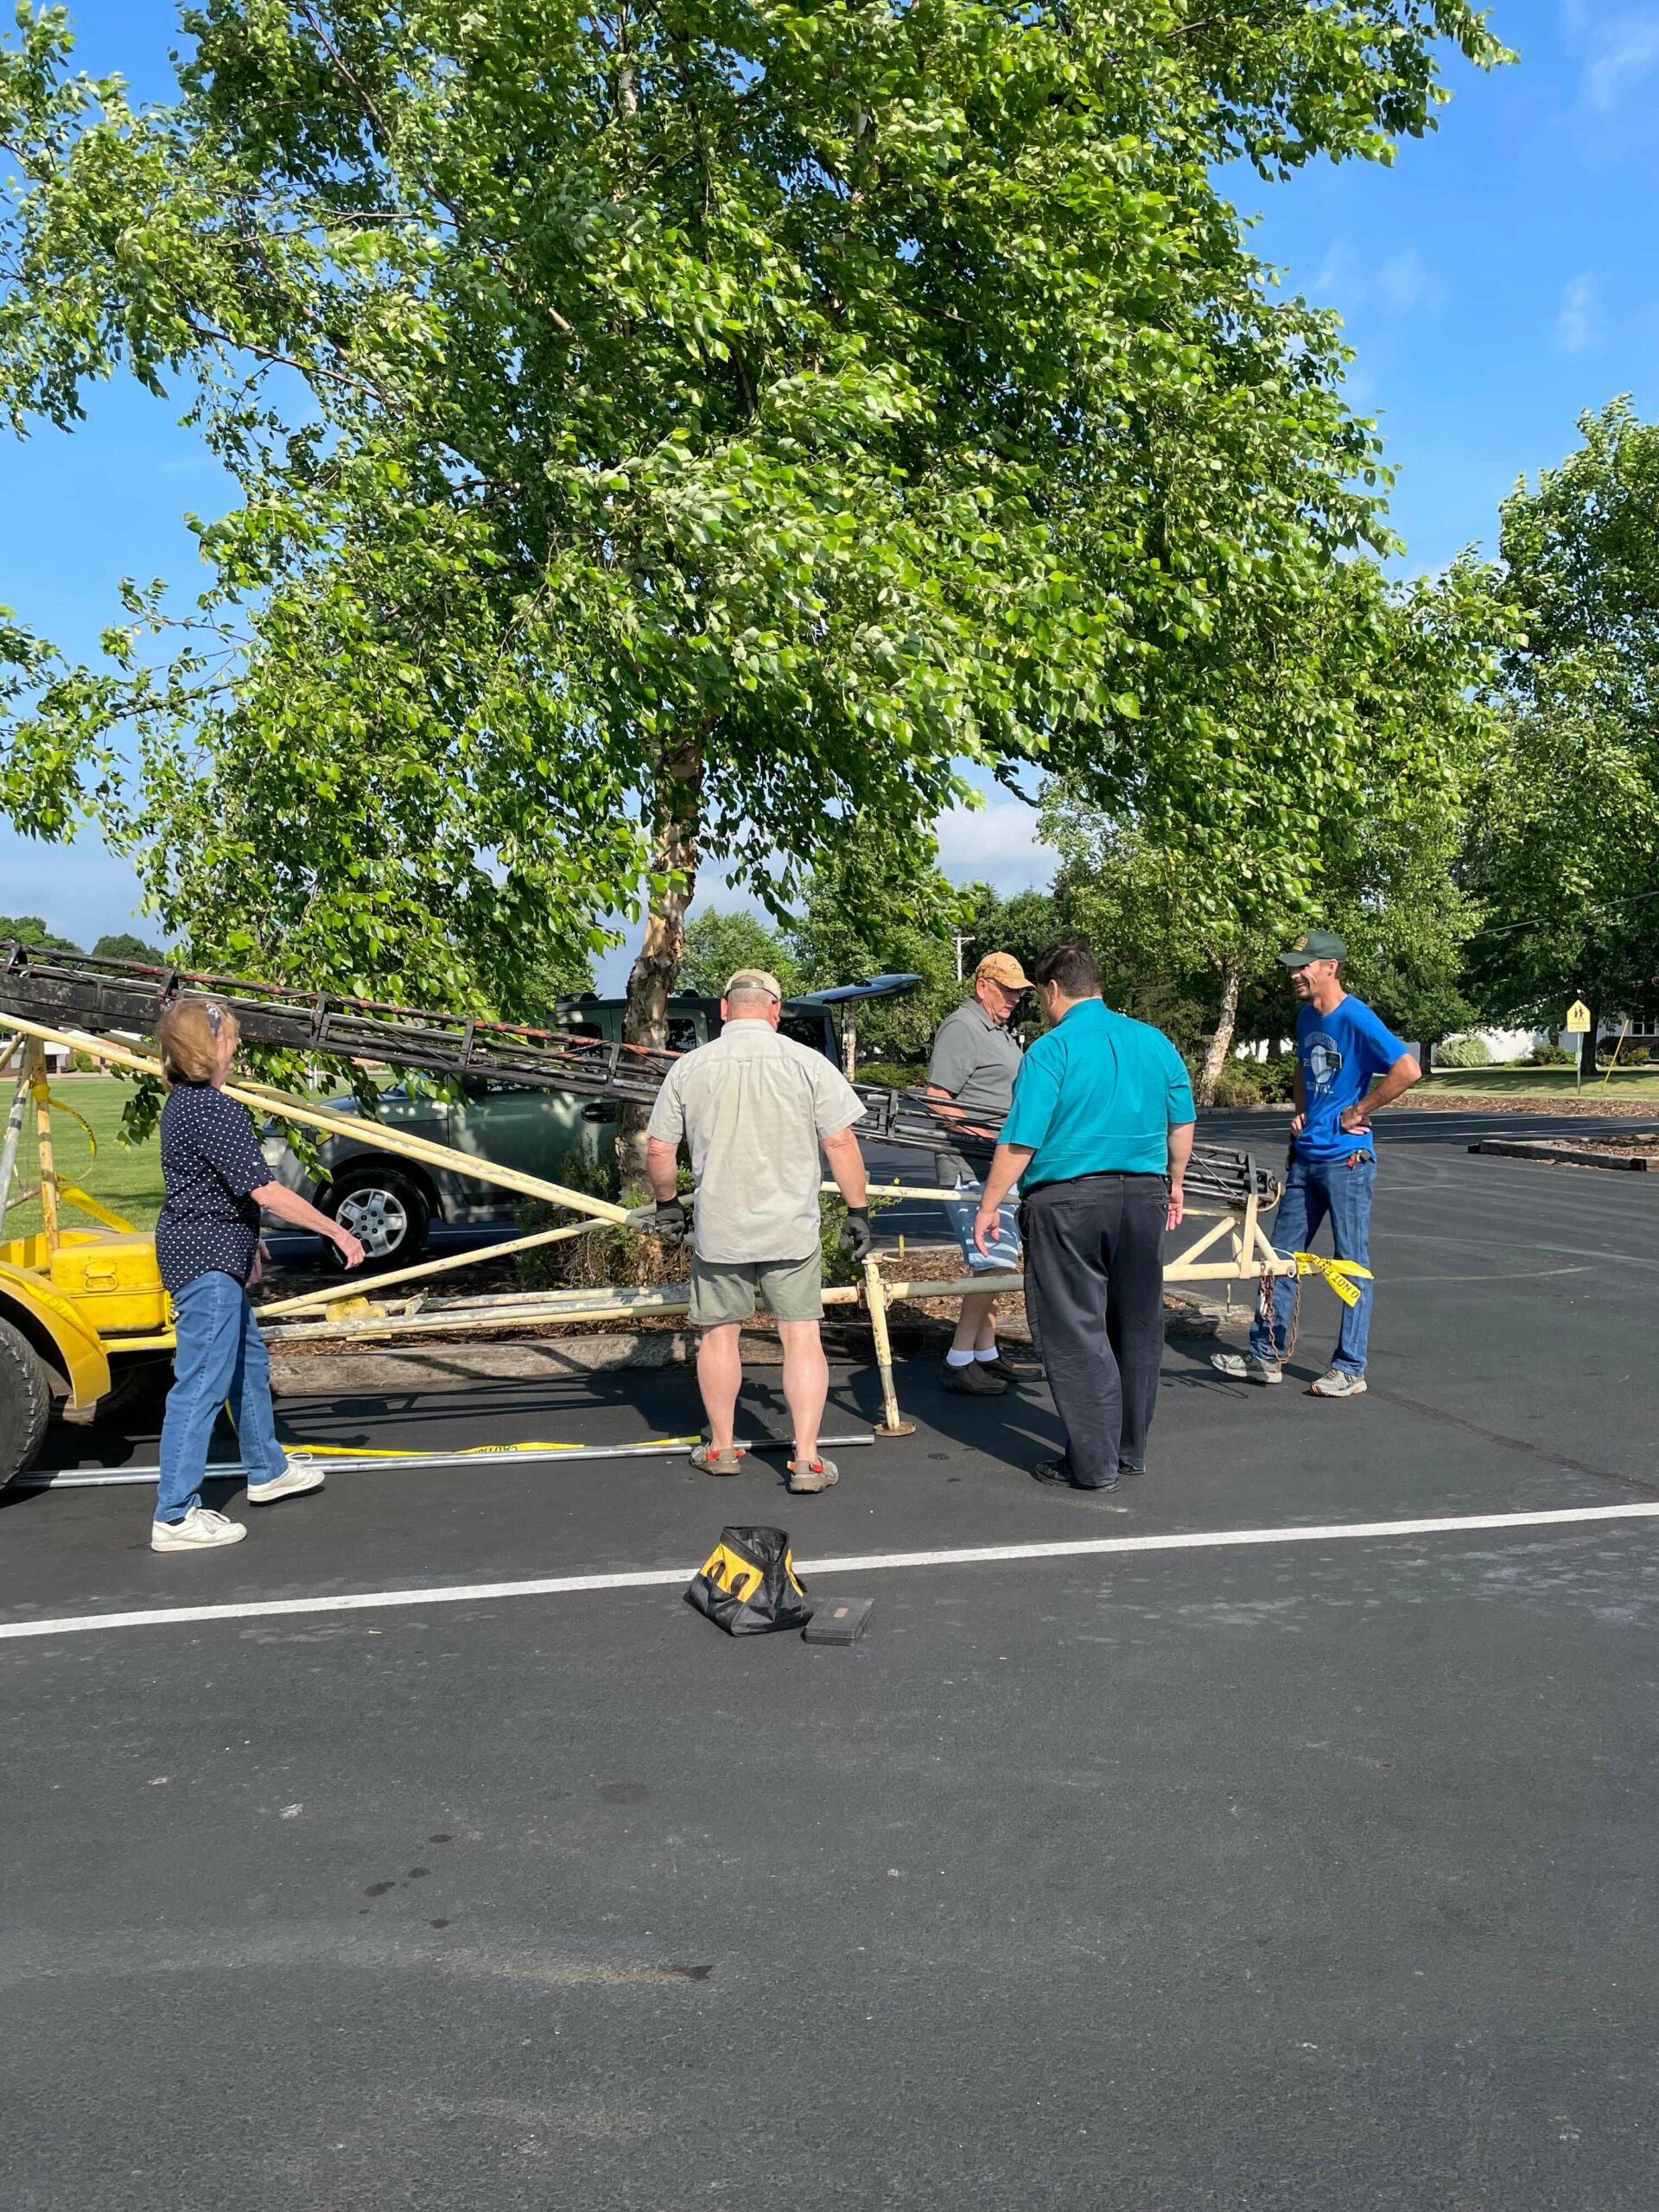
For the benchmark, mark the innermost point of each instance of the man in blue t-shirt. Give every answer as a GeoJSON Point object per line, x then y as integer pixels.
{"type": "Point", "coordinates": [1348, 1065]}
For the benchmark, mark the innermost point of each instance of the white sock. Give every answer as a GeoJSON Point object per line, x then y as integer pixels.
{"type": "Point", "coordinates": [955, 1359]}
{"type": "Point", "coordinates": [992, 1354]}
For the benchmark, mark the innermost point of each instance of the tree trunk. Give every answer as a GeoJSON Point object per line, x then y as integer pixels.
{"type": "Point", "coordinates": [1220, 1045]}
{"type": "Point", "coordinates": [850, 1039]}
{"type": "Point", "coordinates": [1587, 1048]}
{"type": "Point", "coordinates": [656, 970]}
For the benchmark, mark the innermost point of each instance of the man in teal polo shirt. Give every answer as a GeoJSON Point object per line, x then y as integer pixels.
{"type": "Point", "coordinates": [1098, 1140]}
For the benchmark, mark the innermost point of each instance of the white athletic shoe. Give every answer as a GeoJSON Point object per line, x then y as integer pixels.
{"type": "Point", "coordinates": [294, 1480]}
{"type": "Point", "coordinates": [1337, 1382]}
{"type": "Point", "coordinates": [1247, 1366]}
{"type": "Point", "coordinates": [200, 1530]}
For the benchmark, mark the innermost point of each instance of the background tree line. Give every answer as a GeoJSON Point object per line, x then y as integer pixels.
{"type": "Point", "coordinates": [1520, 873]}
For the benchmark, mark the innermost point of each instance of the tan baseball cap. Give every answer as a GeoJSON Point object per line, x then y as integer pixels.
{"type": "Point", "coordinates": [754, 979]}
{"type": "Point", "coordinates": [1002, 968]}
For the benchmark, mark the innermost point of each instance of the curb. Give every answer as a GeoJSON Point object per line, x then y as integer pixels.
{"type": "Point", "coordinates": [1553, 1155]}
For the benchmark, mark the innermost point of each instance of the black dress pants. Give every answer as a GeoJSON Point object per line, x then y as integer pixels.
{"type": "Point", "coordinates": [1094, 1298]}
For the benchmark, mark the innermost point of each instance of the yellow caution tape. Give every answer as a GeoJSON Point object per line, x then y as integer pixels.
{"type": "Point", "coordinates": [1341, 1275]}
{"type": "Point", "coordinates": [469, 1452]}
{"type": "Point", "coordinates": [57, 1107]}
{"type": "Point", "coordinates": [90, 1206]}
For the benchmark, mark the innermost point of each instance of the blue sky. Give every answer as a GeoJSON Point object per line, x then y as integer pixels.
{"type": "Point", "coordinates": [1500, 278]}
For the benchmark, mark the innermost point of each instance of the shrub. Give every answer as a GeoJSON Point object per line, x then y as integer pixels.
{"type": "Point", "coordinates": [839, 1269]}
{"type": "Point", "coordinates": [1634, 1056]}
{"type": "Point", "coordinates": [633, 1259]}
{"type": "Point", "coordinates": [1463, 1052]}
{"type": "Point", "coordinates": [892, 1075]}
{"type": "Point", "coordinates": [1239, 1083]}
{"type": "Point", "coordinates": [1551, 1056]}
{"type": "Point", "coordinates": [1276, 1079]}
{"type": "Point", "coordinates": [84, 1063]}
{"type": "Point", "coordinates": [612, 1255]}
{"type": "Point", "coordinates": [1255, 1082]}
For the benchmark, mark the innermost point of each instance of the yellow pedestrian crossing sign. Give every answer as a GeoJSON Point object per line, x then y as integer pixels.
{"type": "Point", "coordinates": [1577, 1019]}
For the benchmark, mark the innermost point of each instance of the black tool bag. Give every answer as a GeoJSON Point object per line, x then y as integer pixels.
{"type": "Point", "coordinates": [747, 1584]}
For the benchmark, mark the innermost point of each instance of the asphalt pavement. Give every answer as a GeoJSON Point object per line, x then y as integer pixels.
{"type": "Point", "coordinates": [1267, 1867]}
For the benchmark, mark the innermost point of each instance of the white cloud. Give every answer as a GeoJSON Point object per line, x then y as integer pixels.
{"type": "Point", "coordinates": [1406, 281]}
{"type": "Point", "coordinates": [1623, 49]}
{"type": "Point", "coordinates": [996, 843]}
{"type": "Point", "coordinates": [1332, 273]}
{"type": "Point", "coordinates": [1575, 326]}
{"type": "Point", "coordinates": [1401, 281]}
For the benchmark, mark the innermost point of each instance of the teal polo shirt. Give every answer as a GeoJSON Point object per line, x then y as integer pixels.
{"type": "Point", "coordinates": [1097, 1095]}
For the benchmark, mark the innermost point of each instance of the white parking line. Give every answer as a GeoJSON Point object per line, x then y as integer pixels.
{"type": "Point", "coordinates": [564, 1585]}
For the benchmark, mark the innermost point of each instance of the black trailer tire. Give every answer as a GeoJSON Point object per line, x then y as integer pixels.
{"type": "Point", "coordinates": [387, 1210]}
{"type": "Point", "coordinates": [25, 1402]}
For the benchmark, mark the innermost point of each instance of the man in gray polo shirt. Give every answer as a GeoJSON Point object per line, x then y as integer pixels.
{"type": "Point", "coordinates": [755, 1107]}
{"type": "Point", "coordinates": [975, 1058]}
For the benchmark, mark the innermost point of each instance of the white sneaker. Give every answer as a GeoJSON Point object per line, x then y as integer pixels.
{"type": "Point", "coordinates": [1247, 1366]}
{"type": "Point", "coordinates": [200, 1529]}
{"type": "Point", "coordinates": [294, 1480]}
{"type": "Point", "coordinates": [1337, 1382]}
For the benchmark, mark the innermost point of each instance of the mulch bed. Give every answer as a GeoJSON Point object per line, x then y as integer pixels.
{"type": "Point", "coordinates": [1592, 1105]}
{"type": "Point", "coordinates": [1640, 1144]}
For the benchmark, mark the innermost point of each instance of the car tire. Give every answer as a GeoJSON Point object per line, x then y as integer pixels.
{"type": "Point", "coordinates": [387, 1212]}
{"type": "Point", "coordinates": [25, 1402]}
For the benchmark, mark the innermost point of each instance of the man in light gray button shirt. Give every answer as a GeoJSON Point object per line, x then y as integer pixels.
{"type": "Point", "coordinates": [755, 1107]}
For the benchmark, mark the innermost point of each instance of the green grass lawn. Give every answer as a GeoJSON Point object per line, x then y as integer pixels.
{"type": "Point", "coordinates": [1542, 1083]}
{"type": "Point", "coordinates": [126, 1178]}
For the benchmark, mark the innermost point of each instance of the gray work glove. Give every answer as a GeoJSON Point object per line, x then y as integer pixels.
{"type": "Point", "coordinates": [855, 1238]}
{"type": "Point", "coordinates": [672, 1221]}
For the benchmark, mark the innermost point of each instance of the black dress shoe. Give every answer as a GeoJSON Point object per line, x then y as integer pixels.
{"type": "Point", "coordinates": [1124, 1468]}
{"type": "Point", "coordinates": [1056, 1473]}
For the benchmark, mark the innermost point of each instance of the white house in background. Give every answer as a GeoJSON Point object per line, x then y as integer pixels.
{"type": "Point", "coordinates": [1516, 1044]}
{"type": "Point", "coordinates": [1510, 1044]}
{"type": "Point", "coordinates": [58, 1057]}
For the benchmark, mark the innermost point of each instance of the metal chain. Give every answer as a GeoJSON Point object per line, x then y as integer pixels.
{"type": "Point", "coordinates": [1267, 1288]}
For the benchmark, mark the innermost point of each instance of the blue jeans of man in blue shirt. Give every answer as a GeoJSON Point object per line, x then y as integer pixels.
{"type": "Point", "coordinates": [220, 1355]}
{"type": "Point", "coordinates": [1314, 1189]}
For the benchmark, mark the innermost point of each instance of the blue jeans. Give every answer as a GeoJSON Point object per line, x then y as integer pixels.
{"type": "Point", "coordinates": [1314, 1188]}
{"type": "Point", "coordinates": [220, 1355]}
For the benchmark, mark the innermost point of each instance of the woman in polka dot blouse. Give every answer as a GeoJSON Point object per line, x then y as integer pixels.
{"type": "Point", "coordinates": [207, 1245]}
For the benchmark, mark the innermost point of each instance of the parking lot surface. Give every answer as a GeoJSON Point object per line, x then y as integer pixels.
{"type": "Point", "coordinates": [1297, 1870]}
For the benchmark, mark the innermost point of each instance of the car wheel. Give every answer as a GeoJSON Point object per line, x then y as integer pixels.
{"type": "Point", "coordinates": [386, 1211]}
{"type": "Point", "coordinates": [25, 1402]}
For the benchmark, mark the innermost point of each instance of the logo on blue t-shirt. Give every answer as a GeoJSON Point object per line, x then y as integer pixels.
{"type": "Point", "coordinates": [1322, 1061]}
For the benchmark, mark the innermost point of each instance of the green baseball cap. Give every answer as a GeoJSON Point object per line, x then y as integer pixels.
{"type": "Point", "coordinates": [1314, 945]}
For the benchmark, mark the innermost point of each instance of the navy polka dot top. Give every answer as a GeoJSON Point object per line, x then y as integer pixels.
{"type": "Point", "coordinates": [210, 1162]}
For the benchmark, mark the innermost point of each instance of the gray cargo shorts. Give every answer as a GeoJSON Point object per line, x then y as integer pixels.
{"type": "Point", "coordinates": [722, 1291]}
